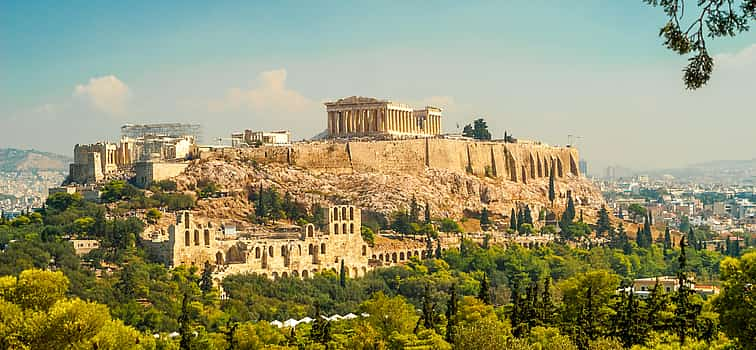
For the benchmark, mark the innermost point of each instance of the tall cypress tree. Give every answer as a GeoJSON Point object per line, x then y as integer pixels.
{"type": "Point", "coordinates": [428, 309]}
{"type": "Point", "coordinates": [552, 192]}
{"type": "Point", "coordinates": [184, 320]}
{"type": "Point", "coordinates": [342, 275]}
{"type": "Point", "coordinates": [485, 221]}
{"type": "Point", "coordinates": [513, 220]}
{"type": "Point", "coordinates": [692, 238]}
{"type": "Point", "coordinates": [414, 212]}
{"type": "Point", "coordinates": [260, 210]}
{"type": "Point", "coordinates": [527, 215]}
{"type": "Point", "coordinates": [603, 224]}
{"type": "Point", "coordinates": [206, 281]}
{"type": "Point", "coordinates": [451, 315]}
{"type": "Point", "coordinates": [427, 213]}
{"type": "Point", "coordinates": [667, 238]}
{"type": "Point", "coordinates": [569, 213]}
{"type": "Point", "coordinates": [639, 239]}
{"type": "Point", "coordinates": [485, 293]}
{"type": "Point", "coordinates": [686, 312]}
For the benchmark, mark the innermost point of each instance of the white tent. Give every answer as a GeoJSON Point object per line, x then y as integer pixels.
{"type": "Point", "coordinates": [290, 323]}
{"type": "Point", "coordinates": [306, 320]}
{"type": "Point", "coordinates": [173, 335]}
{"type": "Point", "coordinates": [276, 323]}
{"type": "Point", "coordinates": [350, 316]}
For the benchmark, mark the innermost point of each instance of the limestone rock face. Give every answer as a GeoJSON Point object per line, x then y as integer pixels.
{"type": "Point", "coordinates": [448, 193]}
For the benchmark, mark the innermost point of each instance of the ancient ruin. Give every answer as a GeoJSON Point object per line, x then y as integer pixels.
{"type": "Point", "coordinates": [366, 116]}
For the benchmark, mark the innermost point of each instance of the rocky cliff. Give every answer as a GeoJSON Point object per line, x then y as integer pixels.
{"type": "Point", "coordinates": [452, 176]}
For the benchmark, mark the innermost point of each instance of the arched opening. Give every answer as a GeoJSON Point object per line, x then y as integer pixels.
{"type": "Point", "coordinates": [305, 274]}
{"type": "Point", "coordinates": [275, 275]}
{"type": "Point", "coordinates": [355, 272]}
{"type": "Point", "coordinates": [257, 252]}
{"type": "Point", "coordinates": [335, 213]}
{"type": "Point", "coordinates": [344, 226]}
{"type": "Point", "coordinates": [322, 248]}
{"type": "Point", "coordinates": [265, 275]}
{"type": "Point", "coordinates": [393, 257]}
{"type": "Point", "coordinates": [310, 250]}
{"type": "Point", "coordinates": [351, 228]}
{"type": "Point", "coordinates": [560, 168]}
{"type": "Point", "coordinates": [373, 257]}
{"type": "Point", "coordinates": [422, 255]}
{"type": "Point", "coordinates": [196, 237]}
{"type": "Point", "coordinates": [364, 250]}
{"type": "Point", "coordinates": [219, 258]}
{"type": "Point", "coordinates": [284, 275]}
{"type": "Point", "coordinates": [207, 237]}
{"type": "Point", "coordinates": [186, 219]}
{"type": "Point", "coordinates": [270, 251]}
{"type": "Point", "coordinates": [295, 273]}
{"type": "Point", "coordinates": [336, 229]}
{"type": "Point", "coordinates": [299, 249]}
{"type": "Point", "coordinates": [310, 230]}
{"type": "Point", "coordinates": [187, 239]}
{"type": "Point", "coordinates": [283, 250]}
{"type": "Point", "coordinates": [532, 167]}
{"type": "Point", "coordinates": [343, 213]}
{"type": "Point", "coordinates": [351, 213]}
{"type": "Point", "coordinates": [401, 256]}
{"type": "Point", "coordinates": [380, 257]}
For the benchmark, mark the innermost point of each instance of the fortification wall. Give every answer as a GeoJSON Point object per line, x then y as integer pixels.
{"type": "Point", "coordinates": [388, 156]}
{"type": "Point", "coordinates": [518, 162]}
{"type": "Point", "coordinates": [327, 157]}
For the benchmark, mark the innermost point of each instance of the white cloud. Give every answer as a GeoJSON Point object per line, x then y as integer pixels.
{"type": "Point", "coordinates": [107, 94]}
{"type": "Point", "coordinates": [271, 95]}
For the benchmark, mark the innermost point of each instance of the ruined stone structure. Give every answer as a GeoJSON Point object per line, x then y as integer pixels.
{"type": "Point", "coordinates": [151, 171]}
{"type": "Point", "coordinates": [275, 254]}
{"type": "Point", "coordinates": [365, 116]}
{"type": "Point", "coordinates": [250, 138]}
{"type": "Point", "coordinates": [93, 162]}
{"type": "Point", "coordinates": [518, 162]}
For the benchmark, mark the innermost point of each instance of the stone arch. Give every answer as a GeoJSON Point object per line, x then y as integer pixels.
{"type": "Point", "coordinates": [380, 257]}
{"type": "Point", "coordinates": [219, 258]}
{"type": "Point", "coordinates": [196, 237]}
{"type": "Point", "coordinates": [275, 275]}
{"type": "Point", "coordinates": [416, 253]}
{"type": "Point", "coordinates": [343, 213]}
{"type": "Point", "coordinates": [265, 275]}
{"type": "Point", "coordinates": [422, 255]}
{"type": "Point", "coordinates": [299, 249]}
{"type": "Point", "coordinates": [401, 256]}
{"type": "Point", "coordinates": [409, 254]}
{"type": "Point", "coordinates": [374, 257]}
{"type": "Point", "coordinates": [322, 248]}
{"type": "Point", "coordinates": [310, 230]}
{"type": "Point", "coordinates": [559, 168]}
{"type": "Point", "coordinates": [364, 270]}
{"type": "Point", "coordinates": [351, 228]}
{"type": "Point", "coordinates": [351, 213]}
{"type": "Point", "coordinates": [355, 272]}
{"type": "Point", "coordinates": [207, 237]}
{"type": "Point", "coordinates": [364, 250]}
{"type": "Point", "coordinates": [335, 213]}
{"type": "Point", "coordinates": [344, 227]}
{"type": "Point", "coordinates": [257, 252]}
{"type": "Point", "coordinates": [187, 239]}
{"type": "Point", "coordinates": [295, 273]}
{"type": "Point", "coordinates": [284, 275]}
{"type": "Point", "coordinates": [336, 229]}
{"type": "Point", "coordinates": [186, 219]}
{"type": "Point", "coordinates": [270, 251]}
{"type": "Point", "coordinates": [305, 274]}
{"type": "Point", "coordinates": [393, 257]}
{"type": "Point", "coordinates": [283, 250]}
{"type": "Point", "coordinates": [310, 251]}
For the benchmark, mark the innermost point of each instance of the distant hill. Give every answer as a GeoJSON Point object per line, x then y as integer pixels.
{"type": "Point", "coordinates": [12, 159]}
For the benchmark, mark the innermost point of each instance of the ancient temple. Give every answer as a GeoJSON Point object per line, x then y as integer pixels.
{"type": "Point", "coordinates": [366, 116]}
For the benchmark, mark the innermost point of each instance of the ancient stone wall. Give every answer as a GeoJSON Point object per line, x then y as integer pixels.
{"type": "Point", "coordinates": [516, 162]}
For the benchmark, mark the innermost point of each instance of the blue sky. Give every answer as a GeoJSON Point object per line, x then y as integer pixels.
{"type": "Point", "coordinates": [72, 72]}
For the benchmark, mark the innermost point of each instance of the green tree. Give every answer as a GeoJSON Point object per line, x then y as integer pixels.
{"type": "Point", "coordinates": [478, 130]}
{"type": "Point", "coordinates": [686, 312]}
{"type": "Point", "coordinates": [686, 34]}
{"type": "Point", "coordinates": [735, 304]}
{"type": "Point", "coordinates": [603, 224]}
{"type": "Point", "coordinates": [484, 293]}
{"type": "Point", "coordinates": [153, 215]}
{"type": "Point", "coordinates": [667, 239]}
{"type": "Point", "coordinates": [449, 225]}
{"type": "Point", "coordinates": [636, 211]}
{"type": "Point", "coordinates": [206, 280]}
{"type": "Point", "coordinates": [485, 221]}
{"type": "Point", "coordinates": [414, 212]}
{"type": "Point", "coordinates": [342, 275]}
{"type": "Point", "coordinates": [513, 221]}
{"type": "Point", "coordinates": [552, 192]}
{"type": "Point", "coordinates": [427, 213]}
{"type": "Point", "coordinates": [451, 314]}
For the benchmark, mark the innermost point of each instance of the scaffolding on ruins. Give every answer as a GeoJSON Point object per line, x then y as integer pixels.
{"type": "Point", "coordinates": [173, 130]}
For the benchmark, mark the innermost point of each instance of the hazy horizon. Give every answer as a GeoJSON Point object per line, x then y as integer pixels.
{"type": "Point", "coordinates": [75, 73]}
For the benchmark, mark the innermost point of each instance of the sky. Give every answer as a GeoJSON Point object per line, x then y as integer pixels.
{"type": "Point", "coordinates": [75, 71]}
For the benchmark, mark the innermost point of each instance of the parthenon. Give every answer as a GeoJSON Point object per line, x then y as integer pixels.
{"type": "Point", "coordinates": [366, 116]}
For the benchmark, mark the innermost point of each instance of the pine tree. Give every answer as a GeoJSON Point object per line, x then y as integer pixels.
{"type": "Point", "coordinates": [427, 213]}
{"type": "Point", "coordinates": [603, 224]}
{"type": "Point", "coordinates": [569, 213]}
{"type": "Point", "coordinates": [428, 309]}
{"type": "Point", "coordinates": [547, 307]}
{"type": "Point", "coordinates": [552, 192]}
{"type": "Point", "coordinates": [484, 294]}
{"type": "Point", "coordinates": [260, 210]}
{"type": "Point", "coordinates": [438, 249]}
{"type": "Point", "coordinates": [485, 221]}
{"type": "Point", "coordinates": [451, 315]}
{"type": "Point", "coordinates": [667, 238]}
{"type": "Point", "coordinates": [342, 275]}
{"type": "Point", "coordinates": [627, 323]}
{"type": "Point", "coordinates": [513, 221]}
{"type": "Point", "coordinates": [414, 212]}
{"type": "Point", "coordinates": [206, 281]}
